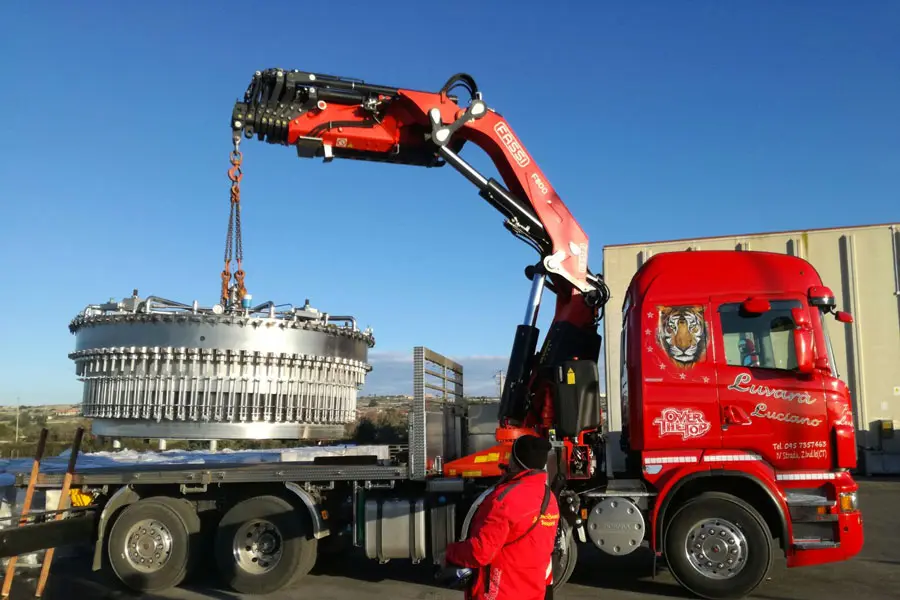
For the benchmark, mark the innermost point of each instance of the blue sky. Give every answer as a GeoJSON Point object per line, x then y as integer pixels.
{"type": "Point", "coordinates": [658, 121]}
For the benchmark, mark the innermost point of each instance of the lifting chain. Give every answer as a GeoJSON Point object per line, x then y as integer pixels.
{"type": "Point", "coordinates": [234, 231]}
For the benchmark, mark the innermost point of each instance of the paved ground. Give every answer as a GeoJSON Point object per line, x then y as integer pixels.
{"type": "Point", "coordinates": [874, 575]}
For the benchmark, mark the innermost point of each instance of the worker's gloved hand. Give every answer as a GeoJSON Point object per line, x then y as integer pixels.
{"type": "Point", "coordinates": [452, 576]}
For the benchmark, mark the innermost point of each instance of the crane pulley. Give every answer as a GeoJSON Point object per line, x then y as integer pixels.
{"type": "Point", "coordinates": [234, 248]}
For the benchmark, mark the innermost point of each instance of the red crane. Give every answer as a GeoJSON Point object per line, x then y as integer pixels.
{"type": "Point", "coordinates": [330, 117]}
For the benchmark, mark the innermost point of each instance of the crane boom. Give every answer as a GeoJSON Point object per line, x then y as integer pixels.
{"type": "Point", "coordinates": [328, 117]}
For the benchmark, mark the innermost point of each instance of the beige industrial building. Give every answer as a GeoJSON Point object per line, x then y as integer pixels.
{"type": "Point", "coordinates": [861, 264]}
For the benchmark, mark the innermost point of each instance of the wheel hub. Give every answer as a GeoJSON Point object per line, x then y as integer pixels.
{"type": "Point", "coordinates": [148, 545]}
{"type": "Point", "coordinates": [257, 546]}
{"type": "Point", "coordinates": [716, 548]}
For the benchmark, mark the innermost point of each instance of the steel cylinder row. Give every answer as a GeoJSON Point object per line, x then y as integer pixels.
{"type": "Point", "coordinates": [158, 368]}
{"type": "Point", "coordinates": [213, 385]}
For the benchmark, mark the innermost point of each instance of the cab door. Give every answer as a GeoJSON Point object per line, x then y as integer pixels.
{"type": "Point", "coordinates": [678, 375]}
{"type": "Point", "coordinates": [766, 405]}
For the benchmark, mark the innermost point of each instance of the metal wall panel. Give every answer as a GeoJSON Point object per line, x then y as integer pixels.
{"type": "Point", "coordinates": [860, 264]}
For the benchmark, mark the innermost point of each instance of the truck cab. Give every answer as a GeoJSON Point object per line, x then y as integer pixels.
{"type": "Point", "coordinates": [729, 386]}
{"type": "Point", "coordinates": [730, 350]}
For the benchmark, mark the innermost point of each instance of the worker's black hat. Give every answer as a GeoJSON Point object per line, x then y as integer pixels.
{"type": "Point", "coordinates": [531, 451]}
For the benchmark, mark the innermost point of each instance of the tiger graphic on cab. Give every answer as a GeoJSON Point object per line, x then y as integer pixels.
{"type": "Point", "coordinates": [681, 333]}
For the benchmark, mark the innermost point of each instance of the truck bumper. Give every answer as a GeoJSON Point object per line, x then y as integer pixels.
{"type": "Point", "coordinates": [848, 543]}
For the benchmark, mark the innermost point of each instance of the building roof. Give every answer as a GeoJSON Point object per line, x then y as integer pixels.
{"type": "Point", "coordinates": [752, 235]}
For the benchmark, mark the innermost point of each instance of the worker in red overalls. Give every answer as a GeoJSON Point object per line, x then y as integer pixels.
{"type": "Point", "coordinates": [513, 531]}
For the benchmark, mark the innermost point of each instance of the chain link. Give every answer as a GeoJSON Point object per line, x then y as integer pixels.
{"type": "Point", "coordinates": [234, 248]}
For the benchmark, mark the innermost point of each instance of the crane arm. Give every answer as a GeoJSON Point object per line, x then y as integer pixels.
{"type": "Point", "coordinates": [330, 117]}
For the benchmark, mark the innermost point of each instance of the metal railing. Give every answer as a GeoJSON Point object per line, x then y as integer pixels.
{"type": "Point", "coordinates": [432, 428]}
{"type": "Point", "coordinates": [449, 374]}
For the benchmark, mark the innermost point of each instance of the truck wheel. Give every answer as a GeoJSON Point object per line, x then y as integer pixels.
{"type": "Point", "coordinates": [718, 547]}
{"type": "Point", "coordinates": [264, 544]}
{"type": "Point", "coordinates": [188, 513]}
{"type": "Point", "coordinates": [564, 562]}
{"type": "Point", "coordinates": [149, 547]}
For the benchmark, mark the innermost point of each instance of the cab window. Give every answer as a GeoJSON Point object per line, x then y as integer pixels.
{"type": "Point", "coordinates": [759, 340]}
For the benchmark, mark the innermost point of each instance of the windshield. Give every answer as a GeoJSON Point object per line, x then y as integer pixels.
{"type": "Point", "coordinates": [823, 316]}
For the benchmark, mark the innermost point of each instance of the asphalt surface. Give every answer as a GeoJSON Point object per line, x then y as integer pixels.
{"type": "Point", "coordinates": [873, 575]}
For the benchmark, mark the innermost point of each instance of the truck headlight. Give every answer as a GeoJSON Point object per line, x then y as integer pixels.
{"type": "Point", "coordinates": [848, 501]}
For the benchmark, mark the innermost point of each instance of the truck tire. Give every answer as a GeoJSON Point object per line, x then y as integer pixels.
{"type": "Point", "coordinates": [264, 544]}
{"type": "Point", "coordinates": [718, 547]}
{"type": "Point", "coordinates": [564, 563]}
{"type": "Point", "coordinates": [149, 546]}
{"type": "Point", "coordinates": [191, 518]}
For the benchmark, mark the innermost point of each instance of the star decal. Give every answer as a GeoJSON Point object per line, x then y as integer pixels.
{"type": "Point", "coordinates": [662, 366]}
{"type": "Point", "coordinates": [648, 331]}
{"type": "Point", "coordinates": [649, 348]}
{"type": "Point", "coordinates": [706, 380]}
{"type": "Point", "coordinates": [649, 315]}
{"type": "Point", "coordinates": [682, 376]}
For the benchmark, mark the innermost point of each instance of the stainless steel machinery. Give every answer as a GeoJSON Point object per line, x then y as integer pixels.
{"type": "Point", "coordinates": [153, 368]}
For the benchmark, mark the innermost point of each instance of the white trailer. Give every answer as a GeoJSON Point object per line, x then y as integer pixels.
{"type": "Point", "coordinates": [861, 264]}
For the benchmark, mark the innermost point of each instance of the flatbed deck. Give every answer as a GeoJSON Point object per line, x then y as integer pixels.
{"type": "Point", "coordinates": [222, 473]}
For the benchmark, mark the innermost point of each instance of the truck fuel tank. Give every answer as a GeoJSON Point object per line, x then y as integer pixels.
{"type": "Point", "coordinates": [395, 528]}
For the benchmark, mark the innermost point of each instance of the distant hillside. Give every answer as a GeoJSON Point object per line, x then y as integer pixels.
{"type": "Point", "coordinates": [392, 374]}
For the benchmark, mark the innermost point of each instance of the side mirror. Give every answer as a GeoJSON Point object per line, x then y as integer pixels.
{"type": "Point", "coordinates": [803, 340]}
{"type": "Point", "coordinates": [843, 317]}
{"type": "Point", "coordinates": [756, 306]}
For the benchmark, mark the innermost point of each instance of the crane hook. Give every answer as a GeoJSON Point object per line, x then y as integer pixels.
{"type": "Point", "coordinates": [234, 247]}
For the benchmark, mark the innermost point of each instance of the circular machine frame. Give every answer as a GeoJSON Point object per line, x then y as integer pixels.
{"type": "Point", "coordinates": [157, 368]}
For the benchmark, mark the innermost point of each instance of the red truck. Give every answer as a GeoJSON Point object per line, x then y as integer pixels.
{"type": "Point", "coordinates": [738, 437]}
{"type": "Point", "coordinates": [737, 433]}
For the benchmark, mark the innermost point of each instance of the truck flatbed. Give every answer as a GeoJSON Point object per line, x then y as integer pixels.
{"type": "Point", "coordinates": [125, 474]}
